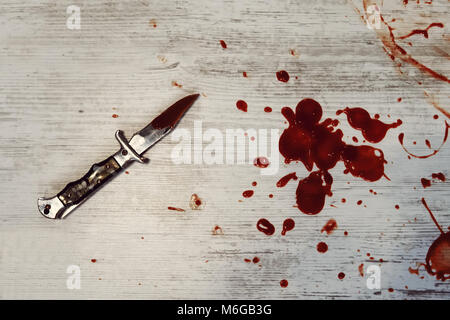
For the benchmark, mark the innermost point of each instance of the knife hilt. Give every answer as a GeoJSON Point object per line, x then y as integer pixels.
{"type": "Point", "coordinates": [76, 192]}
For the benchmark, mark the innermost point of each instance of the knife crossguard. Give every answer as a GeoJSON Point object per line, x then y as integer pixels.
{"type": "Point", "coordinates": [76, 192]}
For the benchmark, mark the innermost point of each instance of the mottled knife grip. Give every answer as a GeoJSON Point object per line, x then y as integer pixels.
{"type": "Point", "coordinates": [77, 191]}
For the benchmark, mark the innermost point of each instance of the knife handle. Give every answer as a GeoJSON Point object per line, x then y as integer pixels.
{"type": "Point", "coordinates": [76, 192]}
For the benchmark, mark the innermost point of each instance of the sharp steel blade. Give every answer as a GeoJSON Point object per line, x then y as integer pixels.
{"type": "Point", "coordinates": [161, 125]}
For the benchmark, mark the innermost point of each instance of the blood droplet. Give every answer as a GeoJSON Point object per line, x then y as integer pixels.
{"type": "Point", "coordinates": [282, 76]}
{"type": "Point", "coordinates": [261, 162]}
{"type": "Point", "coordinates": [322, 247]}
{"type": "Point", "coordinates": [247, 193]}
{"type": "Point", "coordinates": [242, 105]}
{"type": "Point", "coordinates": [330, 226]}
{"type": "Point", "coordinates": [223, 44]}
{"type": "Point", "coordinates": [288, 225]}
{"type": "Point", "coordinates": [265, 226]}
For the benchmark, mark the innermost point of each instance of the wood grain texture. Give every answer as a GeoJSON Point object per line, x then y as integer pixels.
{"type": "Point", "coordinates": [59, 89]}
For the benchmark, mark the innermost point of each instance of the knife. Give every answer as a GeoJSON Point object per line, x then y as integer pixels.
{"type": "Point", "coordinates": [76, 192]}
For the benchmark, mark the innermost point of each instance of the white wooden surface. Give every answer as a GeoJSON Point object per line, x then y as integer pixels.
{"type": "Point", "coordinates": [119, 63]}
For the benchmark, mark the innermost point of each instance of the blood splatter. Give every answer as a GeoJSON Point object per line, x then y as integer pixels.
{"type": "Point", "coordinates": [93, 260]}
{"type": "Point", "coordinates": [223, 44]}
{"type": "Point", "coordinates": [329, 227]}
{"type": "Point", "coordinates": [267, 109]}
{"type": "Point", "coordinates": [425, 182]}
{"type": "Point", "coordinates": [255, 260]}
{"type": "Point", "coordinates": [437, 261]}
{"type": "Point", "coordinates": [282, 76]}
{"type": "Point", "coordinates": [341, 275]}
{"type": "Point", "coordinates": [439, 176]}
{"type": "Point", "coordinates": [284, 180]}
{"type": "Point", "coordinates": [247, 193]}
{"type": "Point", "coordinates": [372, 129]}
{"type": "Point", "coordinates": [361, 269]}
{"type": "Point", "coordinates": [176, 209]}
{"type": "Point", "coordinates": [115, 115]}
{"type": "Point", "coordinates": [254, 183]}
{"type": "Point", "coordinates": [423, 31]}
{"type": "Point", "coordinates": [313, 142]}
{"type": "Point", "coordinates": [242, 105]}
{"type": "Point", "coordinates": [322, 247]}
{"type": "Point", "coordinates": [244, 74]}
{"type": "Point", "coordinates": [195, 202]}
{"type": "Point", "coordinates": [217, 230]}
{"type": "Point", "coordinates": [176, 84]}
{"type": "Point", "coordinates": [284, 283]}
{"type": "Point", "coordinates": [288, 225]}
{"type": "Point", "coordinates": [265, 226]}
{"type": "Point", "coordinates": [261, 162]}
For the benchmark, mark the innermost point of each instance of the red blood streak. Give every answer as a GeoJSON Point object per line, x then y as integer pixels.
{"type": "Point", "coordinates": [247, 260]}
{"type": "Point", "coordinates": [247, 193]}
{"type": "Point", "coordinates": [267, 109]}
{"type": "Point", "coordinates": [361, 269]}
{"type": "Point", "coordinates": [282, 76]}
{"type": "Point", "coordinates": [261, 162]}
{"type": "Point", "coordinates": [284, 181]}
{"type": "Point", "coordinates": [93, 260]}
{"type": "Point", "coordinates": [372, 129]}
{"type": "Point", "coordinates": [115, 115]}
{"type": "Point", "coordinates": [355, 139]}
{"type": "Point", "coordinates": [223, 44]}
{"type": "Point", "coordinates": [439, 176]}
{"type": "Point", "coordinates": [284, 283]}
{"type": "Point", "coordinates": [330, 226]}
{"type": "Point", "coordinates": [322, 247]}
{"type": "Point", "coordinates": [176, 84]}
{"type": "Point", "coordinates": [401, 136]}
{"type": "Point", "coordinates": [438, 255]}
{"type": "Point", "coordinates": [170, 117]}
{"type": "Point", "coordinates": [341, 275]}
{"type": "Point", "coordinates": [413, 271]}
{"type": "Point", "coordinates": [425, 182]}
{"type": "Point", "coordinates": [423, 31]}
{"type": "Point", "coordinates": [255, 260]}
{"type": "Point", "coordinates": [265, 226]}
{"type": "Point", "coordinates": [313, 142]}
{"type": "Point", "coordinates": [176, 209]}
{"type": "Point", "coordinates": [242, 105]}
{"type": "Point", "coordinates": [428, 144]}
{"type": "Point", "coordinates": [288, 225]}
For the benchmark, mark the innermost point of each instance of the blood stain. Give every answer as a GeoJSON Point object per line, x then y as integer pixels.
{"type": "Point", "coordinates": [341, 275]}
{"type": "Point", "coordinates": [244, 74]}
{"type": "Point", "coordinates": [330, 226]}
{"type": "Point", "coordinates": [195, 202]}
{"type": "Point", "coordinates": [361, 269]}
{"type": "Point", "coordinates": [247, 193]}
{"type": "Point", "coordinates": [397, 207]}
{"type": "Point", "coordinates": [270, 195]}
{"type": "Point", "coordinates": [282, 76]}
{"type": "Point", "coordinates": [322, 247]}
{"type": "Point", "coordinates": [425, 182]}
{"type": "Point", "coordinates": [313, 142]}
{"type": "Point", "coordinates": [284, 180]}
{"type": "Point", "coordinates": [265, 226]}
{"type": "Point", "coordinates": [284, 283]}
{"type": "Point", "coordinates": [115, 115]}
{"type": "Point", "coordinates": [217, 231]}
{"type": "Point", "coordinates": [401, 137]}
{"type": "Point", "coordinates": [372, 129]}
{"type": "Point", "coordinates": [176, 84]}
{"type": "Point", "coordinates": [255, 260]}
{"type": "Point", "coordinates": [437, 261]}
{"type": "Point", "coordinates": [267, 109]}
{"type": "Point", "coordinates": [288, 225]}
{"type": "Point", "coordinates": [423, 31]}
{"type": "Point", "coordinates": [261, 162]}
{"type": "Point", "coordinates": [93, 260]}
{"type": "Point", "coordinates": [223, 44]}
{"type": "Point", "coordinates": [254, 183]}
{"type": "Point", "coordinates": [242, 105]}
{"type": "Point", "coordinates": [439, 176]}
{"type": "Point", "coordinates": [176, 209]}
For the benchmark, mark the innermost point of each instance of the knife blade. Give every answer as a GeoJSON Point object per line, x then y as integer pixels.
{"type": "Point", "coordinates": [76, 192]}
